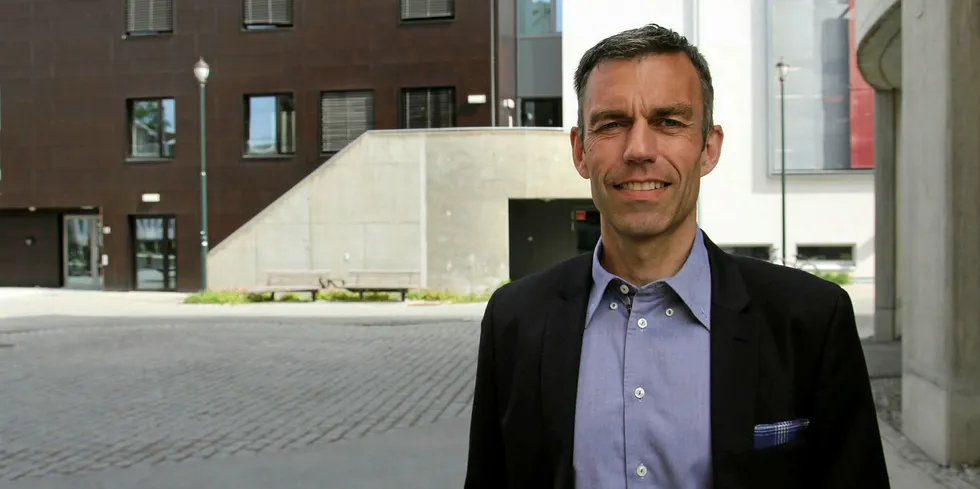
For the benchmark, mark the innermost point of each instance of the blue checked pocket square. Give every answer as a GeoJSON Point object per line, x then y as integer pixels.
{"type": "Point", "coordinates": [773, 435]}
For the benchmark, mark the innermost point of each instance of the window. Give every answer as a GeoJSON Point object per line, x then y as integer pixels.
{"type": "Point", "coordinates": [344, 116]}
{"type": "Point", "coordinates": [270, 125]}
{"type": "Point", "coordinates": [837, 254]}
{"type": "Point", "coordinates": [149, 16]}
{"type": "Point", "coordinates": [154, 248]}
{"type": "Point", "coordinates": [538, 17]}
{"type": "Point", "coordinates": [541, 112]}
{"type": "Point", "coordinates": [152, 128]}
{"type": "Point", "coordinates": [427, 108]}
{"type": "Point", "coordinates": [821, 89]}
{"type": "Point", "coordinates": [427, 9]}
{"type": "Point", "coordinates": [761, 252]}
{"type": "Point", "coordinates": [268, 14]}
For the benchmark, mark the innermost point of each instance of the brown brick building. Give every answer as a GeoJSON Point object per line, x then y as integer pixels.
{"type": "Point", "coordinates": [99, 116]}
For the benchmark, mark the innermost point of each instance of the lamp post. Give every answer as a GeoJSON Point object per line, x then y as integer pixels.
{"type": "Point", "coordinates": [201, 72]}
{"type": "Point", "coordinates": [783, 70]}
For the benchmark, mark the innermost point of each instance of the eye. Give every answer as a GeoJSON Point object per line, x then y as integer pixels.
{"type": "Point", "coordinates": [609, 125]}
{"type": "Point", "coordinates": [672, 123]}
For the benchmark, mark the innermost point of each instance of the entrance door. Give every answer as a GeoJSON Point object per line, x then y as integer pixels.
{"type": "Point", "coordinates": [155, 252]}
{"type": "Point", "coordinates": [82, 247]}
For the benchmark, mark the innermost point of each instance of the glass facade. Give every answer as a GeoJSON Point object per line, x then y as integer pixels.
{"type": "Point", "coordinates": [814, 38]}
{"type": "Point", "coordinates": [539, 17]}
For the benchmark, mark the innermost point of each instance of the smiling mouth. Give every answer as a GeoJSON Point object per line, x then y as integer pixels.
{"type": "Point", "coordinates": [652, 185]}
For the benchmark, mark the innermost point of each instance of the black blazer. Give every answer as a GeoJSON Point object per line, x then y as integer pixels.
{"type": "Point", "coordinates": [784, 346]}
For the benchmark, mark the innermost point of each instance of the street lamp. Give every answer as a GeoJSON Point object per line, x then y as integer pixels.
{"type": "Point", "coordinates": [783, 71]}
{"type": "Point", "coordinates": [201, 72]}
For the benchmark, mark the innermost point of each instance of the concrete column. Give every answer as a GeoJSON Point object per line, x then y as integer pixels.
{"type": "Point", "coordinates": [939, 227]}
{"type": "Point", "coordinates": [885, 168]}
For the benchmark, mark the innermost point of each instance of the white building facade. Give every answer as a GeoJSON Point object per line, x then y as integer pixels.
{"type": "Point", "coordinates": [829, 196]}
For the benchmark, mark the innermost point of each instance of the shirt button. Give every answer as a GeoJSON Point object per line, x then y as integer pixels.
{"type": "Point", "coordinates": [639, 393]}
{"type": "Point", "coordinates": [624, 289]}
{"type": "Point", "coordinates": [670, 312]}
{"type": "Point", "coordinates": [642, 323]}
{"type": "Point", "coordinates": [641, 470]}
{"type": "Point", "coordinates": [614, 306]}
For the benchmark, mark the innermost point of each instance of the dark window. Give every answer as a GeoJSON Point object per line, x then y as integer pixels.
{"type": "Point", "coordinates": [586, 223]}
{"type": "Point", "coordinates": [541, 112]}
{"type": "Point", "coordinates": [427, 108]}
{"type": "Point", "coordinates": [152, 128]}
{"type": "Point", "coordinates": [149, 16]}
{"type": "Point", "coordinates": [825, 253]}
{"type": "Point", "coordinates": [761, 252]}
{"type": "Point", "coordinates": [267, 14]}
{"type": "Point", "coordinates": [344, 116]}
{"type": "Point", "coordinates": [427, 9]}
{"type": "Point", "coordinates": [270, 125]}
{"type": "Point", "coordinates": [154, 252]}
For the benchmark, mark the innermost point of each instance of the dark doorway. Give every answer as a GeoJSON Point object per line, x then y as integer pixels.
{"type": "Point", "coordinates": [541, 112]}
{"type": "Point", "coordinates": [154, 252]}
{"type": "Point", "coordinates": [544, 233]}
{"type": "Point", "coordinates": [30, 249]}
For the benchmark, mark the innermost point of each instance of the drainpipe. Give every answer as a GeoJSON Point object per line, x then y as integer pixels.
{"type": "Point", "coordinates": [493, 63]}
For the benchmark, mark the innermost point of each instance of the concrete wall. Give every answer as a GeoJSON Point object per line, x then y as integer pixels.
{"type": "Point", "coordinates": [433, 201]}
{"type": "Point", "coordinates": [361, 209]}
{"type": "Point", "coordinates": [740, 201]}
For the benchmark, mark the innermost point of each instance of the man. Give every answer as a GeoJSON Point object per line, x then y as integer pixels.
{"type": "Point", "coordinates": [660, 360]}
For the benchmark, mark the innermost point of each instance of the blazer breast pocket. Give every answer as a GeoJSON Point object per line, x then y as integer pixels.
{"type": "Point", "coordinates": [780, 454]}
{"type": "Point", "coordinates": [781, 434]}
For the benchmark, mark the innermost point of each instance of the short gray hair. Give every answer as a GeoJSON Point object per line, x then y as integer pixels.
{"type": "Point", "coordinates": [637, 43]}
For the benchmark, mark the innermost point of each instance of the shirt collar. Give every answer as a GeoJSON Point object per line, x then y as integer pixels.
{"type": "Point", "coordinates": [692, 283]}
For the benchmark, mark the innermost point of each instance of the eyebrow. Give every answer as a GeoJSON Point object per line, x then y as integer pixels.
{"type": "Point", "coordinates": [682, 110]}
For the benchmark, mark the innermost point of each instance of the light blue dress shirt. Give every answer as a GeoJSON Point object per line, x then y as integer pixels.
{"type": "Point", "coordinates": [643, 411]}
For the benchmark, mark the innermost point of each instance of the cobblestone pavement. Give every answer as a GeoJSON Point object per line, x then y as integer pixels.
{"type": "Point", "coordinates": [85, 394]}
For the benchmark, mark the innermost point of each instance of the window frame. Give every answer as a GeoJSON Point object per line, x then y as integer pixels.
{"type": "Point", "coordinates": [403, 115]}
{"type": "Point", "coordinates": [431, 18]}
{"type": "Point", "coordinates": [130, 106]}
{"type": "Point", "coordinates": [139, 34]}
{"type": "Point", "coordinates": [246, 125]}
{"type": "Point", "coordinates": [321, 127]}
{"type": "Point", "coordinates": [272, 27]}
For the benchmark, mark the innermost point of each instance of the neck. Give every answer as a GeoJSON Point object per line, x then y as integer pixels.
{"type": "Point", "coordinates": [644, 260]}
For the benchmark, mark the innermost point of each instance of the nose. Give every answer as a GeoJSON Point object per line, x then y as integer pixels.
{"type": "Point", "coordinates": [641, 144]}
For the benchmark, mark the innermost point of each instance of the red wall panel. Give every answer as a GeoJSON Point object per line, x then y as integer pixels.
{"type": "Point", "coordinates": [862, 110]}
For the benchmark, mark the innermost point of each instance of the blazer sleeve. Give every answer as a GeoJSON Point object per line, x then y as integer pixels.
{"type": "Point", "coordinates": [486, 466]}
{"type": "Point", "coordinates": [846, 449]}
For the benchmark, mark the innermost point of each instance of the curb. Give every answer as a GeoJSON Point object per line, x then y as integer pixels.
{"type": "Point", "coordinates": [944, 476]}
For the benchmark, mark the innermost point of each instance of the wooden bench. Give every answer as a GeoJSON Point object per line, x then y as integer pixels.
{"type": "Point", "coordinates": [398, 281]}
{"type": "Point", "coordinates": [290, 281]}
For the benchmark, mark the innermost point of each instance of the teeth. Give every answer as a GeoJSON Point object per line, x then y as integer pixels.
{"type": "Point", "coordinates": [643, 185]}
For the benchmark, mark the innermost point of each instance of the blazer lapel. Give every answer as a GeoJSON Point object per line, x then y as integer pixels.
{"type": "Point", "coordinates": [734, 365]}
{"type": "Point", "coordinates": [561, 351]}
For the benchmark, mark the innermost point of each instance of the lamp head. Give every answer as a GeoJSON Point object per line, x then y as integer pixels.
{"type": "Point", "coordinates": [201, 71]}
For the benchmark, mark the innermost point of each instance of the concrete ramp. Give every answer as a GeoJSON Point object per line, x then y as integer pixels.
{"type": "Point", "coordinates": [434, 201]}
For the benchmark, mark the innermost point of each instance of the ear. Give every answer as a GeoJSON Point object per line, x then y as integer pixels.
{"type": "Point", "coordinates": [578, 153]}
{"type": "Point", "coordinates": [712, 150]}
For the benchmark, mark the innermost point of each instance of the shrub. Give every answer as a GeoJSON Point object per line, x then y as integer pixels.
{"type": "Point", "coordinates": [839, 278]}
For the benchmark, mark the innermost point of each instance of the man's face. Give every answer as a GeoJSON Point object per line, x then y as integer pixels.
{"type": "Point", "coordinates": [642, 146]}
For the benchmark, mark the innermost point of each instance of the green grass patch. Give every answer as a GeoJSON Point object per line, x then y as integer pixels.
{"type": "Point", "coordinates": [839, 278]}
{"type": "Point", "coordinates": [337, 295]}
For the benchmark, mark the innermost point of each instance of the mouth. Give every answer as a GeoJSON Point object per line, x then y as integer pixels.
{"type": "Point", "coordinates": [642, 186]}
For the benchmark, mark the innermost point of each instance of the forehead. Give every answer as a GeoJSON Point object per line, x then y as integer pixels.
{"type": "Point", "coordinates": [659, 79]}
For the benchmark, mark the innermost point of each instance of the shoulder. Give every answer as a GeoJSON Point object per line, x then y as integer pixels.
{"type": "Point", "coordinates": [533, 292]}
{"type": "Point", "coordinates": [791, 293]}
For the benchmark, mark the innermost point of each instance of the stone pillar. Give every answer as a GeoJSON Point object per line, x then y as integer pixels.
{"type": "Point", "coordinates": [885, 168]}
{"type": "Point", "coordinates": [939, 228]}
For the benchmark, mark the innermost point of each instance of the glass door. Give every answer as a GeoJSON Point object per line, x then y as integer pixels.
{"type": "Point", "coordinates": [82, 259]}
{"type": "Point", "coordinates": [155, 252]}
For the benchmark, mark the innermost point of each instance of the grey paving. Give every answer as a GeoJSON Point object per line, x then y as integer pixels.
{"type": "Point", "coordinates": [83, 394]}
